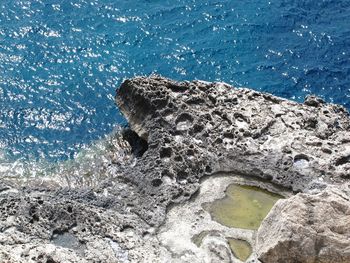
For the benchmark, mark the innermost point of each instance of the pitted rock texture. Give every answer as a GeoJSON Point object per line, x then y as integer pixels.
{"type": "Point", "coordinates": [73, 225]}
{"type": "Point", "coordinates": [197, 128]}
{"type": "Point", "coordinates": [307, 228]}
{"type": "Point", "coordinates": [186, 131]}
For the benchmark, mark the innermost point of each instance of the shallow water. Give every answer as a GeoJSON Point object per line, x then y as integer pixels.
{"type": "Point", "coordinates": [243, 206]}
{"type": "Point", "coordinates": [69, 241]}
{"type": "Point", "coordinates": [240, 248]}
{"type": "Point", "coordinates": [197, 239]}
{"type": "Point", "coordinates": [60, 61]}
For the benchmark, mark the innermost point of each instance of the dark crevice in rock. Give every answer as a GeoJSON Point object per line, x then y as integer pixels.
{"type": "Point", "coordinates": [138, 145]}
{"type": "Point", "coordinates": [343, 160]}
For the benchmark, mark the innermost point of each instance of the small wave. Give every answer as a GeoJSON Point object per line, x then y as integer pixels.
{"type": "Point", "coordinates": [100, 160]}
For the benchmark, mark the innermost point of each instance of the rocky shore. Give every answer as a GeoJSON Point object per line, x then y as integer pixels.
{"type": "Point", "coordinates": [188, 141]}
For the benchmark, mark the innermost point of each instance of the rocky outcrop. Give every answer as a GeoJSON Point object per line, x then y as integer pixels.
{"type": "Point", "coordinates": [198, 128]}
{"type": "Point", "coordinates": [307, 228]}
{"type": "Point", "coordinates": [182, 132]}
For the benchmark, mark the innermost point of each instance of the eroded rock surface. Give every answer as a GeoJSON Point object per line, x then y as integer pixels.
{"type": "Point", "coordinates": [184, 131]}
{"type": "Point", "coordinates": [307, 228]}
{"type": "Point", "coordinates": [197, 128]}
{"type": "Point", "coordinates": [191, 233]}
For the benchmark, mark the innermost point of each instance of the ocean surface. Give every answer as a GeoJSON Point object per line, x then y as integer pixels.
{"type": "Point", "coordinates": [61, 61]}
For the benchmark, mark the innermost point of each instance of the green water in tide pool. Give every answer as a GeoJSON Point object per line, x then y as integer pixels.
{"type": "Point", "coordinates": [243, 206]}
{"type": "Point", "coordinates": [197, 239]}
{"type": "Point", "coordinates": [240, 248]}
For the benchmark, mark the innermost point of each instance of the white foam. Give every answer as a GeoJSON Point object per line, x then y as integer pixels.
{"type": "Point", "coordinates": [88, 166]}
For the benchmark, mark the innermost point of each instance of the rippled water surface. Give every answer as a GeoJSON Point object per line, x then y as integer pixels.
{"type": "Point", "coordinates": [60, 61]}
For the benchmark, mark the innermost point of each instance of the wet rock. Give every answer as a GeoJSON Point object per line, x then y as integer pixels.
{"type": "Point", "coordinates": [307, 228]}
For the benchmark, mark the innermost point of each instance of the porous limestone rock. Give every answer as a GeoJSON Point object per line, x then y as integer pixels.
{"type": "Point", "coordinates": [181, 132]}
{"type": "Point", "coordinates": [307, 228]}
{"type": "Point", "coordinates": [199, 128]}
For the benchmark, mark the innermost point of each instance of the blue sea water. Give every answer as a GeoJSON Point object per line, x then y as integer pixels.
{"type": "Point", "coordinates": [61, 60]}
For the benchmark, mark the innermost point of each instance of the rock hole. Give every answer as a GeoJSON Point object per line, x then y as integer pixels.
{"type": "Point", "coordinates": [165, 152]}
{"type": "Point", "coordinates": [138, 145]}
{"type": "Point", "coordinates": [208, 169]}
{"type": "Point", "coordinates": [208, 117]}
{"type": "Point", "coordinates": [157, 182]}
{"type": "Point", "coordinates": [126, 228]}
{"type": "Point", "coordinates": [301, 161]}
{"type": "Point", "coordinates": [197, 128]}
{"type": "Point", "coordinates": [195, 100]}
{"type": "Point", "coordinates": [177, 88]}
{"type": "Point", "coordinates": [184, 122]}
{"type": "Point", "coordinates": [67, 240]}
{"type": "Point", "coordinates": [50, 260]}
{"type": "Point", "coordinates": [182, 176]}
{"type": "Point", "coordinates": [228, 135]}
{"type": "Point", "coordinates": [343, 160]}
{"type": "Point", "coordinates": [160, 103]}
{"type": "Point", "coordinates": [69, 209]}
{"type": "Point", "coordinates": [167, 177]}
{"type": "Point", "coordinates": [190, 153]}
{"type": "Point", "coordinates": [218, 141]}
{"type": "Point", "coordinates": [167, 113]}
{"type": "Point", "coordinates": [178, 158]}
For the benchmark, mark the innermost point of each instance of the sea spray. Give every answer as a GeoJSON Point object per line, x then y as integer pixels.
{"type": "Point", "coordinates": [93, 162]}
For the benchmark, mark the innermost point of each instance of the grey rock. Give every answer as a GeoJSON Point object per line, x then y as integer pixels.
{"type": "Point", "coordinates": [307, 228]}
{"type": "Point", "coordinates": [199, 128]}
{"type": "Point", "coordinates": [183, 131]}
